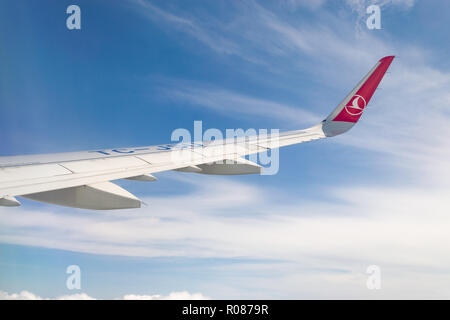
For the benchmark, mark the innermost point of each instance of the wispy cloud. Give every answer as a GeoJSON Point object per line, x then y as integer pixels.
{"type": "Point", "coordinates": [205, 33]}
{"type": "Point", "coordinates": [326, 51]}
{"type": "Point", "coordinates": [235, 104]}
{"type": "Point", "coordinates": [258, 34]}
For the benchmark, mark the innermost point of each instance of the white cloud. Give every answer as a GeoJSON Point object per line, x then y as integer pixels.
{"type": "Point", "coordinates": [181, 295]}
{"type": "Point", "coordinates": [26, 295]}
{"type": "Point", "coordinates": [75, 296]}
{"type": "Point", "coordinates": [23, 295]}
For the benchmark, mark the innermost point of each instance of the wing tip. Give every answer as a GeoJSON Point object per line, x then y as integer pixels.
{"type": "Point", "coordinates": [387, 59]}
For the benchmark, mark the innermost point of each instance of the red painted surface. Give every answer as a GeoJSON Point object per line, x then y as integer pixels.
{"type": "Point", "coordinates": [354, 108]}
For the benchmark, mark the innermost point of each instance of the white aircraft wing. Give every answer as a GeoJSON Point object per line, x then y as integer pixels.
{"type": "Point", "coordinates": [82, 179]}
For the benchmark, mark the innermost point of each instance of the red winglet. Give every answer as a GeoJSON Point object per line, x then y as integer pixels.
{"type": "Point", "coordinates": [355, 106]}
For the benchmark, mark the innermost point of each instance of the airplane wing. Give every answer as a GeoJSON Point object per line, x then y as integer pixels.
{"type": "Point", "coordinates": [83, 179]}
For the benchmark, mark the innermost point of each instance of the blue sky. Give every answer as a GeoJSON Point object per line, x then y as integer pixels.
{"type": "Point", "coordinates": [139, 69]}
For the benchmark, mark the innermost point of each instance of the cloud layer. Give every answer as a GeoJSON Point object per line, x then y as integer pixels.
{"type": "Point", "coordinates": [328, 244]}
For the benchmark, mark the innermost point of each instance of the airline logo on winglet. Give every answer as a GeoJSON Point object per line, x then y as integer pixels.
{"type": "Point", "coordinates": [355, 106]}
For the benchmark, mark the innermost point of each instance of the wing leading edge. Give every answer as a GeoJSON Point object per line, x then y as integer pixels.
{"type": "Point", "coordinates": [82, 180]}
